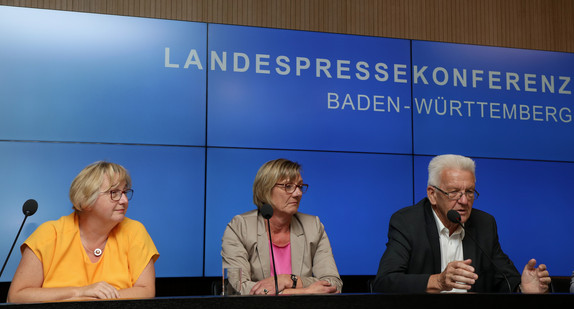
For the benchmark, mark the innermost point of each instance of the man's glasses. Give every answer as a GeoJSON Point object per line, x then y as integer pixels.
{"type": "Point", "coordinates": [456, 195]}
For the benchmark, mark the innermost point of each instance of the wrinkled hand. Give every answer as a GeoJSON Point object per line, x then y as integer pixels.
{"type": "Point", "coordinates": [321, 287]}
{"type": "Point", "coordinates": [535, 279]}
{"type": "Point", "coordinates": [268, 284]}
{"type": "Point", "coordinates": [457, 275]}
{"type": "Point", "coordinates": [99, 290]}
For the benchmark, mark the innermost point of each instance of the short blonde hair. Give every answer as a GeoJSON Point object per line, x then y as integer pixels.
{"type": "Point", "coordinates": [85, 188]}
{"type": "Point", "coordinates": [269, 174]}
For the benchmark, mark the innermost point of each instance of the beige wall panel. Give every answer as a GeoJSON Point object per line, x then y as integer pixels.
{"type": "Point", "coordinates": [533, 24]}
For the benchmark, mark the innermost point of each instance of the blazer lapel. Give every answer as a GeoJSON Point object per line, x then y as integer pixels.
{"type": "Point", "coordinates": [297, 245]}
{"type": "Point", "coordinates": [469, 247]}
{"type": "Point", "coordinates": [432, 235]}
{"type": "Point", "coordinates": [263, 247]}
{"type": "Point", "coordinates": [470, 252]}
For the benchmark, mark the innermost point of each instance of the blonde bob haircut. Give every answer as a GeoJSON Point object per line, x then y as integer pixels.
{"type": "Point", "coordinates": [86, 186]}
{"type": "Point", "coordinates": [269, 174]}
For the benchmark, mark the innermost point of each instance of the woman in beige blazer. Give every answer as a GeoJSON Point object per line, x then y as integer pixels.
{"type": "Point", "coordinates": [299, 240]}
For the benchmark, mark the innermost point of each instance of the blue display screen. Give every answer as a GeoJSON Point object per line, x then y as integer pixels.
{"type": "Point", "coordinates": [193, 110]}
{"type": "Point", "coordinates": [97, 78]}
{"type": "Point", "coordinates": [285, 90]}
{"type": "Point", "coordinates": [345, 192]}
{"type": "Point", "coordinates": [168, 199]}
{"type": "Point", "coordinates": [492, 102]}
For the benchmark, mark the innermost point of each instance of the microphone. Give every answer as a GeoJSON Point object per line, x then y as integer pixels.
{"type": "Point", "coordinates": [454, 217]}
{"type": "Point", "coordinates": [267, 213]}
{"type": "Point", "coordinates": [29, 208]}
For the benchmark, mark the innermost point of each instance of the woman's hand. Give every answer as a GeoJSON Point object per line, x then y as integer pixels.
{"type": "Point", "coordinates": [267, 285]}
{"type": "Point", "coordinates": [99, 290]}
{"type": "Point", "coordinates": [321, 287]}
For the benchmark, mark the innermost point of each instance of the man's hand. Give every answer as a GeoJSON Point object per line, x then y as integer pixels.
{"type": "Point", "coordinates": [535, 279]}
{"type": "Point", "coordinates": [456, 275]}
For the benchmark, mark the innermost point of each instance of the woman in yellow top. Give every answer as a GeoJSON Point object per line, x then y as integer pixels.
{"type": "Point", "coordinates": [93, 253]}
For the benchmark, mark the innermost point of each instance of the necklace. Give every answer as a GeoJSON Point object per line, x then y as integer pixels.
{"type": "Point", "coordinates": [97, 252]}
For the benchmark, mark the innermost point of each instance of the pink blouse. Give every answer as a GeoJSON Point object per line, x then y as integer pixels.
{"type": "Point", "coordinates": [282, 259]}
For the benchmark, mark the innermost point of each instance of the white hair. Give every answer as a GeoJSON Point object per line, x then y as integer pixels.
{"type": "Point", "coordinates": [448, 161]}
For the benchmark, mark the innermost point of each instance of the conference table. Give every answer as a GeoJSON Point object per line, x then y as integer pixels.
{"type": "Point", "coordinates": [343, 301]}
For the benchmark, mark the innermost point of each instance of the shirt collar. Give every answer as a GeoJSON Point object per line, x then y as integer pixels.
{"type": "Point", "coordinates": [443, 229]}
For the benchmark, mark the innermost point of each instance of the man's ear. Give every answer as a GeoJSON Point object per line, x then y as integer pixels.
{"type": "Point", "coordinates": [431, 194]}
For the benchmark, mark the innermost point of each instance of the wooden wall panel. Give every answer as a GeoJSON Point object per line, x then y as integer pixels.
{"type": "Point", "coordinates": [533, 24]}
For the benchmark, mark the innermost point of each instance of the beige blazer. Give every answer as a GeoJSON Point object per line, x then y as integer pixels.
{"type": "Point", "coordinates": [245, 245]}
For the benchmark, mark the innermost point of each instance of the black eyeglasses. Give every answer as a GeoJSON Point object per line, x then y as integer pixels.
{"type": "Point", "coordinates": [291, 187]}
{"type": "Point", "coordinates": [116, 195]}
{"type": "Point", "coordinates": [456, 195]}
